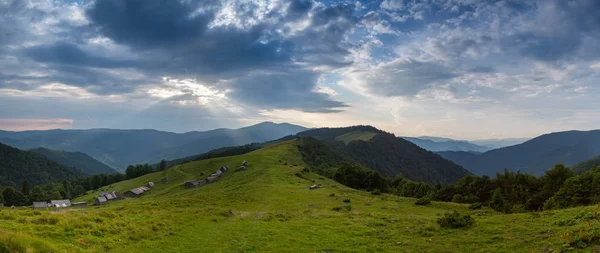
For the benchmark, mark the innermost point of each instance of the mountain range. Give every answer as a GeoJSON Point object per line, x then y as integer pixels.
{"type": "Point", "coordinates": [120, 148]}
{"type": "Point", "coordinates": [441, 144]}
{"type": "Point", "coordinates": [534, 156]}
{"type": "Point", "coordinates": [438, 144]}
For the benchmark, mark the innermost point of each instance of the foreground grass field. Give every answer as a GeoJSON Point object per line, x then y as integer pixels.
{"type": "Point", "coordinates": [268, 208]}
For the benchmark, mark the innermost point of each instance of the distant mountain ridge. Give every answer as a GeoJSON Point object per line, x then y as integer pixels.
{"type": "Point", "coordinates": [78, 160]}
{"type": "Point", "coordinates": [436, 144]}
{"type": "Point", "coordinates": [386, 153]}
{"type": "Point", "coordinates": [119, 148]}
{"type": "Point", "coordinates": [534, 156]}
{"type": "Point", "coordinates": [18, 165]}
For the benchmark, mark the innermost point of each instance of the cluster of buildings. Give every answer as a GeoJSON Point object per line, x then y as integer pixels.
{"type": "Point", "coordinates": [106, 197]}
{"type": "Point", "coordinates": [57, 204]}
{"type": "Point", "coordinates": [197, 183]}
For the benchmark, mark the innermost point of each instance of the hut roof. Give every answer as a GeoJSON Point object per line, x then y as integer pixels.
{"type": "Point", "coordinates": [40, 204]}
{"type": "Point", "coordinates": [137, 191]}
{"type": "Point", "coordinates": [101, 200]}
{"type": "Point", "coordinates": [61, 203]}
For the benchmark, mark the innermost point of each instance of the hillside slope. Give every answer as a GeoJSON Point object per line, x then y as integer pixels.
{"type": "Point", "coordinates": [388, 154]}
{"type": "Point", "coordinates": [534, 156]}
{"type": "Point", "coordinates": [78, 160]}
{"type": "Point", "coordinates": [120, 148]}
{"type": "Point", "coordinates": [17, 166]}
{"type": "Point", "coordinates": [587, 164]}
{"type": "Point", "coordinates": [446, 145]}
{"type": "Point", "coordinates": [268, 208]}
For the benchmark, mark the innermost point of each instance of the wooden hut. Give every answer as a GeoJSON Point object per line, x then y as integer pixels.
{"type": "Point", "coordinates": [100, 201]}
{"type": "Point", "coordinates": [42, 204]}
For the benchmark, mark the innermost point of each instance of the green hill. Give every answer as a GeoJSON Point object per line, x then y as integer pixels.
{"type": "Point", "coordinates": [17, 166]}
{"type": "Point", "coordinates": [269, 208]}
{"type": "Point", "coordinates": [78, 160]}
{"type": "Point", "coordinates": [587, 165]}
{"type": "Point", "coordinates": [388, 154]}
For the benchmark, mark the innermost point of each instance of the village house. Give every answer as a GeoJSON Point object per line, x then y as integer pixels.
{"type": "Point", "coordinates": [136, 192]}
{"type": "Point", "coordinates": [100, 201]}
{"type": "Point", "coordinates": [150, 184]}
{"type": "Point", "coordinates": [41, 204]}
{"type": "Point", "coordinates": [61, 203]}
{"type": "Point", "coordinates": [244, 163]}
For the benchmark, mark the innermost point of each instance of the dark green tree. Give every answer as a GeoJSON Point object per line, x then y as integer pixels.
{"type": "Point", "coordinates": [38, 194]}
{"type": "Point", "coordinates": [25, 187]}
{"type": "Point", "coordinates": [13, 197]}
{"type": "Point", "coordinates": [78, 191]}
{"type": "Point", "coordinates": [162, 166]}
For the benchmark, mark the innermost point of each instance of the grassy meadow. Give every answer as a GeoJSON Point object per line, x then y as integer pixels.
{"type": "Point", "coordinates": [269, 208]}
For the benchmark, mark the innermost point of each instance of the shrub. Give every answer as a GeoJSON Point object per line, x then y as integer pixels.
{"type": "Point", "coordinates": [346, 200]}
{"type": "Point", "coordinates": [475, 206]}
{"type": "Point", "coordinates": [332, 195]}
{"type": "Point", "coordinates": [376, 192]}
{"type": "Point", "coordinates": [342, 208]}
{"type": "Point", "coordinates": [457, 198]}
{"type": "Point", "coordinates": [455, 220]}
{"type": "Point", "coordinates": [422, 201]}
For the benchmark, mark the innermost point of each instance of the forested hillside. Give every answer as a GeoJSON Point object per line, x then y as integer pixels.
{"type": "Point", "coordinates": [587, 164]}
{"type": "Point", "coordinates": [386, 153]}
{"type": "Point", "coordinates": [17, 166]}
{"type": "Point", "coordinates": [534, 156]}
{"type": "Point", "coordinates": [78, 160]}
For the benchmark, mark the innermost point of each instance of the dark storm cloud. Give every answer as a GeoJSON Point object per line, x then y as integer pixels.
{"type": "Point", "coordinates": [283, 90]}
{"type": "Point", "coordinates": [150, 24]}
{"type": "Point", "coordinates": [177, 39]}
{"type": "Point", "coordinates": [68, 54]}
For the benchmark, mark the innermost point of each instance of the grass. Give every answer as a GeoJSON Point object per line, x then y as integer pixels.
{"type": "Point", "coordinates": [356, 136]}
{"type": "Point", "coordinates": [268, 208]}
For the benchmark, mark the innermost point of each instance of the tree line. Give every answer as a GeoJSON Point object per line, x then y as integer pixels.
{"type": "Point", "coordinates": [508, 192]}
{"type": "Point", "coordinates": [70, 188]}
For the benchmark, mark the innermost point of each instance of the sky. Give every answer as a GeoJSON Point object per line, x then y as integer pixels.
{"type": "Point", "coordinates": [462, 69]}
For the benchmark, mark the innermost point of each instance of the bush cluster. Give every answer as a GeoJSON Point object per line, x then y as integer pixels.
{"type": "Point", "coordinates": [422, 201]}
{"type": "Point", "coordinates": [455, 220]}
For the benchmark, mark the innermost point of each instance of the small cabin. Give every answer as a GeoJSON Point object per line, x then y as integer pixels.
{"type": "Point", "coordinates": [40, 205]}
{"type": "Point", "coordinates": [136, 192]}
{"type": "Point", "coordinates": [150, 184]}
{"type": "Point", "coordinates": [100, 201]}
{"type": "Point", "coordinates": [244, 163]}
{"type": "Point", "coordinates": [242, 167]}
{"type": "Point", "coordinates": [60, 203]}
